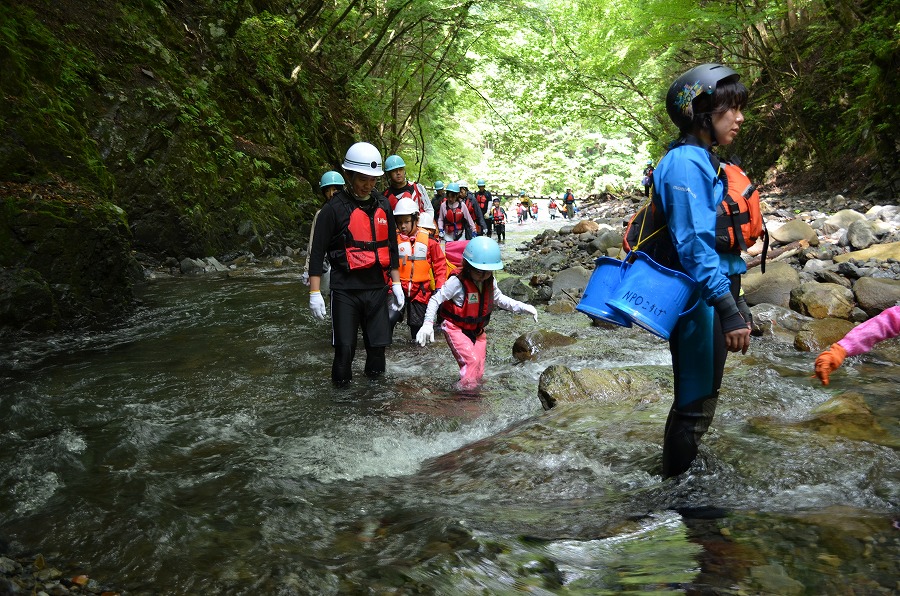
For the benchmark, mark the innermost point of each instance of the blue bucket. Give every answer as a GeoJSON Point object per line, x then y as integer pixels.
{"type": "Point", "coordinates": [653, 296]}
{"type": "Point", "coordinates": [604, 279]}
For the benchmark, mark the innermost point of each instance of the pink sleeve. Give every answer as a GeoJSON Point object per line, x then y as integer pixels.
{"type": "Point", "coordinates": [879, 328]}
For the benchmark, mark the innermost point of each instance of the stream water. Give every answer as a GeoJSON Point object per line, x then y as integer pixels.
{"type": "Point", "coordinates": [200, 448]}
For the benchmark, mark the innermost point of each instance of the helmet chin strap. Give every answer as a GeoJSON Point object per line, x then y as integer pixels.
{"type": "Point", "coordinates": [707, 122]}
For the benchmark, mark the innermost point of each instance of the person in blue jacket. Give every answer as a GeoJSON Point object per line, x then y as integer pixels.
{"type": "Point", "coordinates": [706, 104]}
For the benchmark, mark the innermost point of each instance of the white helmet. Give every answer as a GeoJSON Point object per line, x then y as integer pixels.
{"type": "Point", "coordinates": [405, 206]}
{"type": "Point", "coordinates": [463, 184]}
{"type": "Point", "coordinates": [426, 220]}
{"type": "Point", "coordinates": [363, 158]}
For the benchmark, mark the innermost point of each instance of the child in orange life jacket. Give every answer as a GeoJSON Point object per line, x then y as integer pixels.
{"type": "Point", "coordinates": [552, 208]}
{"type": "Point", "coordinates": [498, 214]}
{"type": "Point", "coordinates": [465, 303]}
{"type": "Point", "coordinates": [421, 260]}
{"type": "Point", "coordinates": [454, 220]}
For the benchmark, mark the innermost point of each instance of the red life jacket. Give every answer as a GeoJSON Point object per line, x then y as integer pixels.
{"type": "Point", "coordinates": [454, 218]}
{"type": "Point", "coordinates": [499, 215]}
{"type": "Point", "coordinates": [739, 222]}
{"type": "Point", "coordinates": [410, 191]}
{"type": "Point", "coordinates": [482, 201]}
{"type": "Point", "coordinates": [476, 308]}
{"type": "Point", "coordinates": [366, 239]}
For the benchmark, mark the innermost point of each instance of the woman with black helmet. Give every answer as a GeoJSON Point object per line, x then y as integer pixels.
{"type": "Point", "coordinates": [706, 104]}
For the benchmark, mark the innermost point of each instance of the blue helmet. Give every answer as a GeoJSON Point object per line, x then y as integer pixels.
{"type": "Point", "coordinates": [331, 178]}
{"type": "Point", "coordinates": [393, 162]}
{"type": "Point", "coordinates": [438, 185]}
{"type": "Point", "coordinates": [483, 253]}
{"type": "Point", "coordinates": [479, 182]}
{"type": "Point", "coordinates": [452, 187]}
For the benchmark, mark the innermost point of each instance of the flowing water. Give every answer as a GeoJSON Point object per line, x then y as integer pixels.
{"type": "Point", "coordinates": [200, 448]}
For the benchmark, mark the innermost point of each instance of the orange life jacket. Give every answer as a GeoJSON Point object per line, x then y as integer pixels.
{"type": "Point", "coordinates": [739, 222]}
{"type": "Point", "coordinates": [414, 266]}
{"type": "Point", "coordinates": [499, 215]}
{"type": "Point", "coordinates": [366, 240]}
{"type": "Point", "coordinates": [552, 205]}
{"type": "Point", "coordinates": [534, 208]}
{"type": "Point", "coordinates": [476, 308]}
{"type": "Point", "coordinates": [482, 201]}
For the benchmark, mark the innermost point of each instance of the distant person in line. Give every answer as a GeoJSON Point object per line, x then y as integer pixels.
{"type": "Point", "coordinates": [498, 214]}
{"type": "Point", "coordinates": [465, 304]}
{"type": "Point", "coordinates": [474, 208]}
{"type": "Point", "coordinates": [552, 208]}
{"type": "Point", "coordinates": [454, 219]}
{"type": "Point", "coordinates": [647, 180]}
{"type": "Point", "coordinates": [485, 203]}
{"type": "Point", "coordinates": [422, 263]}
{"type": "Point", "coordinates": [330, 183]}
{"type": "Point", "coordinates": [357, 232]}
{"type": "Point", "coordinates": [534, 210]}
{"type": "Point", "coordinates": [859, 340]}
{"type": "Point", "coordinates": [401, 188]}
{"type": "Point", "coordinates": [706, 104]}
{"type": "Point", "coordinates": [569, 204]}
{"type": "Point", "coordinates": [438, 198]}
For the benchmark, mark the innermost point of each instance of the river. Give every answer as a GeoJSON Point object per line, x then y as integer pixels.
{"type": "Point", "coordinates": [199, 448]}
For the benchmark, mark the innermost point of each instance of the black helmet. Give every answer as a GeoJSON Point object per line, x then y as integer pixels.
{"type": "Point", "coordinates": [692, 84]}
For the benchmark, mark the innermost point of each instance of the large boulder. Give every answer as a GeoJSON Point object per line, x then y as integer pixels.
{"type": "Point", "coordinates": [879, 252]}
{"type": "Point", "coordinates": [560, 384]}
{"type": "Point", "coordinates": [875, 294]}
{"type": "Point", "coordinates": [842, 220]}
{"type": "Point", "coordinates": [573, 278]}
{"type": "Point", "coordinates": [794, 230]}
{"type": "Point", "coordinates": [514, 287]}
{"type": "Point", "coordinates": [822, 300]}
{"type": "Point", "coordinates": [861, 234]}
{"type": "Point", "coordinates": [585, 225]}
{"type": "Point", "coordinates": [772, 287]}
{"type": "Point", "coordinates": [817, 334]}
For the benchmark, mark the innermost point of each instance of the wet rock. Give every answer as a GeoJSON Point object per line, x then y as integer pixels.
{"type": "Point", "coordinates": [530, 344]}
{"type": "Point", "coordinates": [874, 295]}
{"type": "Point", "coordinates": [560, 384]}
{"type": "Point", "coordinates": [772, 287]}
{"type": "Point", "coordinates": [573, 278]}
{"type": "Point", "coordinates": [778, 322]}
{"type": "Point", "coordinates": [561, 307]}
{"type": "Point", "coordinates": [793, 231]}
{"type": "Point", "coordinates": [860, 234]}
{"type": "Point", "coordinates": [516, 288]}
{"type": "Point", "coordinates": [847, 415]}
{"type": "Point", "coordinates": [879, 252]}
{"type": "Point", "coordinates": [822, 300]}
{"type": "Point", "coordinates": [772, 579]}
{"type": "Point", "coordinates": [817, 334]}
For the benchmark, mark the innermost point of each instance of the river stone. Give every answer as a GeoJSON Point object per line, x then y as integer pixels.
{"type": "Point", "coordinates": [530, 344]}
{"type": "Point", "coordinates": [879, 252]}
{"type": "Point", "coordinates": [821, 301]}
{"type": "Point", "coordinates": [772, 287]}
{"type": "Point", "coordinates": [565, 230]}
{"type": "Point", "coordinates": [190, 266]}
{"type": "Point", "coordinates": [842, 220]}
{"type": "Point", "coordinates": [817, 334]}
{"type": "Point", "coordinates": [847, 415]}
{"type": "Point", "coordinates": [514, 287]}
{"type": "Point", "coordinates": [552, 260]}
{"type": "Point", "coordinates": [861, 234]}
{"type": "Point", "coordinates": [875, 294]}
{"type": "Point", "coordinates": [794, 230]}
{"type": "Point", "coordinates": [560, 384]}
{"type": "Point", "coordinates": [561, 307]}
{"type": "Point", "coordinates": [772, 579]}
{"type": "Point", "coordinates": [777, 322]}
{"type": "Point", "coordinates": [585, 225]}
{"type": "Point", "coordinates": [573, 278]}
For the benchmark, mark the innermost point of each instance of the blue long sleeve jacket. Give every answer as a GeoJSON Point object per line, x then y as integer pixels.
{"type": "Point", "coordinates": [688, 190]}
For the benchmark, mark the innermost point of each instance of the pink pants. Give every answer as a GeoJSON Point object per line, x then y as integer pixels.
{"type": "Point", "coordinates": [470, 356]}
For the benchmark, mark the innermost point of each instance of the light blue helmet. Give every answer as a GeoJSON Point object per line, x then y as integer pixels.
{"type": "Point", "coordinates": [438, 184]}
{"type": "Point", "coordinates": [479, 182]}
{"type": "Point", "coordinates": [393, 162]}
{"type": "Point", "coordinates": [331, 178]}
{"type": "Point", "coordinates": [483, 253]}
{"type": "Point", "coordinates": [452, 187]}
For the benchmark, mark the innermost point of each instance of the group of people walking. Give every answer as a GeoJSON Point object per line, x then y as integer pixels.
{"type": "Point", "coordinates": [387, 262]}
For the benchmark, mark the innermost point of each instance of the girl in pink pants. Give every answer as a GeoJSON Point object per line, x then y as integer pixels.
{"type": "Point", "coordinates": [465, 303]}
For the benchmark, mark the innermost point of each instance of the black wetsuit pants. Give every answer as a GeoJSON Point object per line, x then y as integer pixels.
{"type": "Point", "coordinates": [350, 310]}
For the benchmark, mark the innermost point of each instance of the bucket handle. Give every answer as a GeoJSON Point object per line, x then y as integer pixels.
{"type": "Point", "coordinates": [622, 274]}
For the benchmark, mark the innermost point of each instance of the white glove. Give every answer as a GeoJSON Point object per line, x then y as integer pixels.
{"type": "Point", "coordinates": [425, 334]}
{"type": "Point", "coordinates": [399, 299]}
{"type": "Point", "coordinates": [304, 277]}
{"type": "Point", "coordinates": [530, 310]}
{"type": "Point", "coordinates": [317, 305]}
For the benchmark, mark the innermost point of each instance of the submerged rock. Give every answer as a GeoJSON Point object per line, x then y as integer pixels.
{"type": "Point", "coordinates": [560, 384]}
{"type": "Point", "coordinates": [530, 344]}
